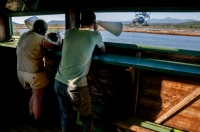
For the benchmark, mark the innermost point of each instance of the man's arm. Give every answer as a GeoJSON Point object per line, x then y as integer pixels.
{"type": "Point", "coordinates": [103, 48]}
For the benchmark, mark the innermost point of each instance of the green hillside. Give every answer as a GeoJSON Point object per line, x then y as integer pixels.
{"type": "Point", "coordinates": [194, 25]}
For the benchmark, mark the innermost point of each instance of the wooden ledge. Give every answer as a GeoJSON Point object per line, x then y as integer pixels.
{"type": "Point", "coordinates": [150, 64]}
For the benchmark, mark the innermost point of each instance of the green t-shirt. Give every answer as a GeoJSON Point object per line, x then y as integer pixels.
{"type": "Point", "coordinates": [76, 56]}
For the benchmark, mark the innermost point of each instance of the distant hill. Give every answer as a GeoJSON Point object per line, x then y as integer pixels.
{"type": "Point", "coordinates": [192, 24]}
{"type": "Point", "coordinates": [165, 20]}
{"type": "Point", "coordinates": [56, 22]}
{"type": "Point", "coordinates": [184, 25]}
{"type": "Point", "coordinates": [169, 20]}
{"type": "Point", "coordinates": [50, 22]}
{"type": "Point", "coordinates": [16, 23]}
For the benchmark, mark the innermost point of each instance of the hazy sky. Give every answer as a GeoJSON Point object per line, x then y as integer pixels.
{"type": "Point", "coordinates": [119, 16]}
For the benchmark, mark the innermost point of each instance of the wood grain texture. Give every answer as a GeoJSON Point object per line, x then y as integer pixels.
{"type": "Point", "coordinates": [2, 29]}
{"type": "Point", "coordinates": [160, 92]}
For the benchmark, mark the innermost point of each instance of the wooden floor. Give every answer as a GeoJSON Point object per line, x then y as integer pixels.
{"type": "Point", "coordinates": [24, 126]}
{"type": "Point", "coordinates": [14, 115]}
{"type": "Point", "coordinates": [27, 127]}
{"type": "Point", "coordinates": [22, 123]}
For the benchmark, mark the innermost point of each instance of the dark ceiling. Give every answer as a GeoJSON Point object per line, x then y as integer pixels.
{"type": "Point", "coordinates": [44, 7]}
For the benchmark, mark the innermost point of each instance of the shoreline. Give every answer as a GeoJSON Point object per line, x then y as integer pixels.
{"type": "Point", "coordinates": [180, 32]}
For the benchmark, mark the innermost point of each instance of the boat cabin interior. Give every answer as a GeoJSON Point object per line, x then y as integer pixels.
{"type": "Point", "coordinates": [133, 87]}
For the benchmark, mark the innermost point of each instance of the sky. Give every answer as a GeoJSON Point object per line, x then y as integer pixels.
{"type": "Point", "coordinates": [119, 16]}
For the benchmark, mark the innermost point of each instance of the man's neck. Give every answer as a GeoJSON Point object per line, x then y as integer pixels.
{"type": "Point", "coordinates": [90, 27]}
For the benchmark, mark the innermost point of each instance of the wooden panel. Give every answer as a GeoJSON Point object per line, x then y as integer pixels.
{"type": "Point", "coordinates": [172, 57]}
{"type": "Point", "coordinates": [2, 29]}
{"type": "Point", "coordinates": [117, 85]}
{"type": "Point", "coordinates": [159, 92]}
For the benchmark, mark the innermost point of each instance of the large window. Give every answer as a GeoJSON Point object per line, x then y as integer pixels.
{"type": "Point", "coordinates": [55, 23]}
{"type": "Point", "coordinates": [165, 29]}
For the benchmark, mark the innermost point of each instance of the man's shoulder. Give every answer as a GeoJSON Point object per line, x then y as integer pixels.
{"type": "Point", "coordinates": [71, 29]}
{"type": "Point", "coordinates": [98, 32]}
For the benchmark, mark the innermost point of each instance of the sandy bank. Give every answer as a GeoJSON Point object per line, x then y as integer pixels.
{"type": "Point", "coordinates": [161, 31]}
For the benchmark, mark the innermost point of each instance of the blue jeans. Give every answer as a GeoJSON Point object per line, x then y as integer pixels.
{"type": "Point", "coordinates": [83, 105]}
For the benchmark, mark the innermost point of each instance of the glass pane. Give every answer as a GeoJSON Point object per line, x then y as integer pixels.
{"type": "Point", "coordinates": [16, 5]}
{"type": "Point", "coordinates": [13, 6]}
{"type": "Point", "coordinates": [165, 29]}
{"type": "Point", "coordinates": [56, 22]}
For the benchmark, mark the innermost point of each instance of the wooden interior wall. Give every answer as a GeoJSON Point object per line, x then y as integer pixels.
{"type": "Point", "coordinates": [172, 57]}
{"type": "Point", "coordinates": [116, 84]}
{"type": "Point", "coordinates": [13, 98]}
{"type": "Point", "coordinates": [2, 28]}
{"type": "Point", "coordinates": [114, 81]}
{"type": "Point", "coordinates": [10, 98]}
{"type": "Point", "coordinates": [159, 92]}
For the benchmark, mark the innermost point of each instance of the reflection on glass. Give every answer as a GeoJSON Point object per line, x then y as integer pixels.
{"type": "Point", "coordinates": [12, 5]}
{"type": "Point", "coordinates": [15, 5]}
{"type": "Point", "coordinates": [54, 25]}
{"type": "Point", "coordinates": [21, 5]}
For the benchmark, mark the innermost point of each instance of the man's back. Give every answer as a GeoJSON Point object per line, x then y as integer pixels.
{"type": "Point", "coordinates": [30, 52]}
{"type": "Point", "coordinates": [77, 51]}
{"type": "Point", "coordinates": [71, 82]}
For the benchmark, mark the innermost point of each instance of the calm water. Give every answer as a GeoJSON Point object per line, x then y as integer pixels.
{"type": "Point", "coordinates": [170, 41]}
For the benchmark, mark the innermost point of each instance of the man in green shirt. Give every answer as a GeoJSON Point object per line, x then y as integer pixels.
{"type": "Point", "coordinates": [71, 82]}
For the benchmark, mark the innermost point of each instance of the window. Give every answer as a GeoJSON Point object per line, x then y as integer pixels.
{"type": "Point", "coordinates": [55, 23]}
{"type": "Point", "coordinates": [165, 29]}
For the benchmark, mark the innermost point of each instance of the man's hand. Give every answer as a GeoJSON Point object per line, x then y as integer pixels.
{"type": "Point", "coordinates": [58, 35]}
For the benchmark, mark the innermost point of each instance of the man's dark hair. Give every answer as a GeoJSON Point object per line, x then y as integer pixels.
{"type": "Point", "coordinates": [87, 18]}
{"type": "Point", "coordinates": [40, 27]}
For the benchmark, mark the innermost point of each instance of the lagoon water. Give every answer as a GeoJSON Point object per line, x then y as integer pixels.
{"type": "Point", "coordinates": [169, 41]}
